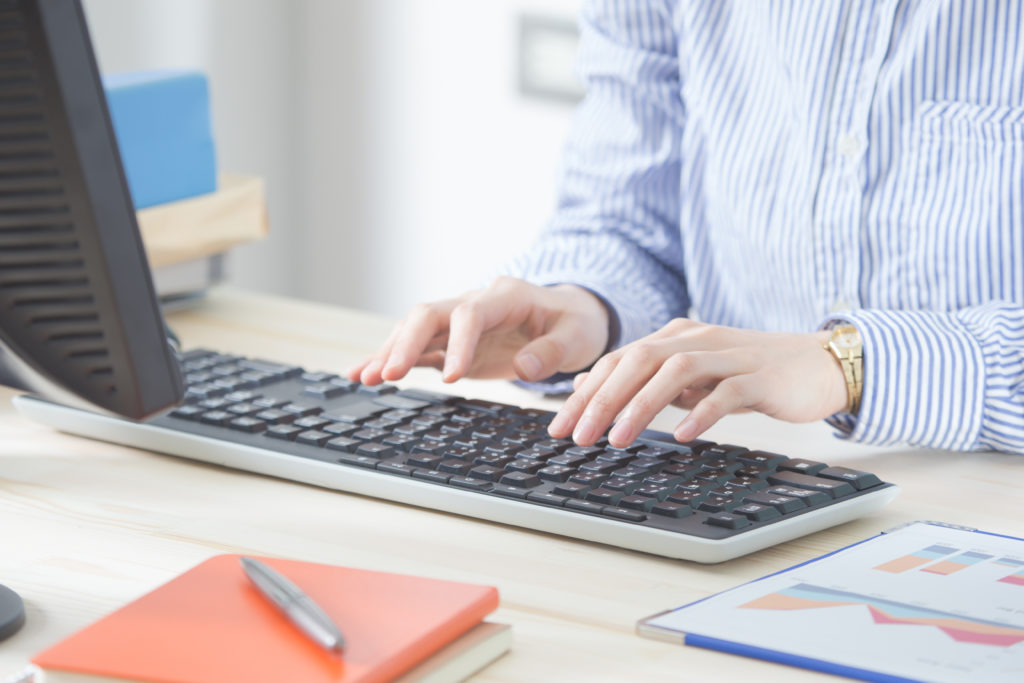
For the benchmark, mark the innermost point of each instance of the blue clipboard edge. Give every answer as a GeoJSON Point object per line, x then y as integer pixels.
{"type": "Point", "coordinates": [647, 630]}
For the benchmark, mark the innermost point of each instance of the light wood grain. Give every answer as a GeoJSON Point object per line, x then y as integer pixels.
{"type": "Point", "coordinates": [87, 526]}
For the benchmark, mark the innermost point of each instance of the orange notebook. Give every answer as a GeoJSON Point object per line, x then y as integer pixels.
{"type": "Point", "coordinates": [211, 625]}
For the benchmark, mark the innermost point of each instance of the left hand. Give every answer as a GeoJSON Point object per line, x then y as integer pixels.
{"type": "Point", "coordinates": [709, 369]}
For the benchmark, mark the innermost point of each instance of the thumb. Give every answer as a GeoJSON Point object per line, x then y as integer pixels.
{"type": "Point", "coordinates": [563, 347]}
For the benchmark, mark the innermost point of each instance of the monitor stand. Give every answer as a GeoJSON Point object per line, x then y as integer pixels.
{"type": "Point", "coordinates": [12, 612]}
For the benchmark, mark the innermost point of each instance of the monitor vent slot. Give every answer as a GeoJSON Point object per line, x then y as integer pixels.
{"type": "Point", "coordinates": [44, 285]}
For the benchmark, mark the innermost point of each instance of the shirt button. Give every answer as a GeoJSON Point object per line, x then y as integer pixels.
{"type": "Point", "coordinates": [849, 147]}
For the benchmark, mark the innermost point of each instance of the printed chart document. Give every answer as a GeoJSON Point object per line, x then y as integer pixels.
{"type": "Point", "coordinates": [924, 602]}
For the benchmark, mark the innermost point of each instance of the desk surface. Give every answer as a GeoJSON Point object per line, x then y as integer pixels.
{"type": "Point", "coordinates": [88, 526]}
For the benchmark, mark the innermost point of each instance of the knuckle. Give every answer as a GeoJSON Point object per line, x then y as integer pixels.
{"type": "Point", "coordinates": [602, 403]}
{"type": "Point", "coordinates": [680, 363]}
{"type": "Point", "coordinates": [642, 406]}
{"type": "Point", "coordinates": [677, 325]}
{"type": "Point", "coordinates": [641, 353]}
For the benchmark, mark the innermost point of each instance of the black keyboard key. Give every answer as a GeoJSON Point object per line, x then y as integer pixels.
{"type": "Point", "coordinates": [521, 479]}
{"type": "Point", "coordinates": [641, 503]}
{"type": "Point", "coordinates": [269, 368]}
{"type": "Point", "coordinates": [358, 460]}
{"type": "Point", "coordinates": [802, 466]}
{"type": "Point", "coordinates": [339, 428]}
{"type": "Point", "coordinates": [247, 424]}
{"type": "Point", "coordinates": [472, 484]}
{"type": "Point", "coordinates": [375, 450]}
{"type": "Point", "coordinates": [343, 443]}
{"type": "Point", "coordinates": [311, 422]}
{"type": "Point", "coordinates": [605, 496]}
{"type": "Point", "coordinates": [313, 437]}
{"type": "Point", "coordinates": [623, 513]}
{"type": "Point", "coordinates": [396, 468]}
{"type": "Point", "coordinates": [324, 390]}
{"type": "Point", "coordinates": [216, 417]}
{"type": "Point", "coordinates": [486, 472]}
{"type": "Point", "coordinates": [377, 389]}
{"type": "Point", "coordinates": [784, 504]}
{"type": "Point", "coordinates": [690, 498]}
{"type": "Point", "coordinates": [244, 408]}
{"type": "Point", "coordinates": [528, 466]}
{"type": "Point", "coordinates": [401, 402]}
{"type": "Point", "coordinates": [188, 412]}
{"type": "Point", "coordinates": [317, 377]}
{"type": "Point", "coordinates": [370, 434]}
{"type": "Point", "coordinates": [669, 509]}
{"type": "Point", "coordinates": [429, 396]}
{"type": "Point", "coordinates": [756, 513]}
{"type": "Point", "coordinates": [727, 520]}
{"type": "Point", "coordinates": [429, 475]}
{"type": "Point", "coordinates": [429, 461]}
{"type": "Point", "coordinates": [301, 409]}
{"type": "Point", "coordinates": [567, 460]}
{"type": "Point", "coordinates": [572, 489]}
{"type": "Point", "coordinates": [453, 466]}
{"type": "Point", "coordinates": [283, 431]}
{"type": "Point", "coordinates": [275, 416]}
{"type": "Point", "coordinates": [509, 491]}
{"type": "Point", "coordinates": [620, 458]}
{"type": "Point", "coordinates": [546, 498]}
{"type": "Point", "coordinates": [763, 458]}
{"type": "Point", "coordinates": [859, 480]}
{"type": "Point", "coordinates": [621, 484]}
{"type": "Point", "coordinates": [811, 498]}
{"type": "Point", "coordinates": [555, 472]}
{"type": "Point", "coordinates": [584, 506]}
{"type": "Point", "coordinates": [270, 402]}
{"type": "Point", "coordinates": [430, 448]}
{"type": "Point", "coordinates": [835, 488]}
{"type": "Point", "coordinates": [400, 441]}
{"type": "Point", "coordinates": [482, 406]}
{"type": "Point", "coordinates": [355, 412]}
{"type": "Point", "coordinates": [598, 467]}
{"type": "Point", "coordinates": [592, 478]}
{"type": "Point", "coordinates": [713, 503]}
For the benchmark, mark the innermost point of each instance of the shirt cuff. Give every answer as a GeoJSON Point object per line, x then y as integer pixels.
{"type": "Point", "coordinates": [924, 380]}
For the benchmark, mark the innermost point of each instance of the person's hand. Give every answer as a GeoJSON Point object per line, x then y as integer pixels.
{"type": "Point", "coordinates": [511, 329]}
{"type": "Point", "coordinates": [711, 370]}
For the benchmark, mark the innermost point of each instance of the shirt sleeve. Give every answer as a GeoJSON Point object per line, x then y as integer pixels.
{"type": "Point", "coordinates": [616, 228]}
{"type": "Point", "coordinates": [949, 380]}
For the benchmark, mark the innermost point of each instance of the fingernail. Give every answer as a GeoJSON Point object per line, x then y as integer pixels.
{"type": "Point", "coordinates": [558, 425]}
{"type": "Point", "coordinates": [585, 431]}
{"type": "Point", "coordinates": [622, 432]}
{"type": "Point", "coordinates": [530, 365]}
{"type": "Point", "coordinates": [449, 368]}
{"type": "Point", "coordinates": [686, 431]}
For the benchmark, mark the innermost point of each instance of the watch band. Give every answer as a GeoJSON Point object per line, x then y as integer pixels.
{"type": "Point", "coordinates": [845, 345]}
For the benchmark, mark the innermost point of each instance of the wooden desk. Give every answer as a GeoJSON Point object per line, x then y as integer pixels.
{"type": "Point", "coordinates": [86, 526]}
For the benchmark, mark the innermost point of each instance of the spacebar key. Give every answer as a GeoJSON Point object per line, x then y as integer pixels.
{"type": "Point", "coordinates": [833, 487]}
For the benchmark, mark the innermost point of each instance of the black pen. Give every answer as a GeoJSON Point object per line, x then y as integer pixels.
{"type": "Point", "coordinates": [294, 604]}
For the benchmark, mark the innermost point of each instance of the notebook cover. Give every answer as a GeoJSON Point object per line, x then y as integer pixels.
{"type": "Point", "coordinates": [211, 625]}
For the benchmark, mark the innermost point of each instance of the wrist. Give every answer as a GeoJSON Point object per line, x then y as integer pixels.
{"type": "Point", "coordinates": [845, 346]}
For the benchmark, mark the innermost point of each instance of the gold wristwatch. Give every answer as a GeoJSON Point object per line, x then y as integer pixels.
{"type": "Point", "coordinates": [845, 345]}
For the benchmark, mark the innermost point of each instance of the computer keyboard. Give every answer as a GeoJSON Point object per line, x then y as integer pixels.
{"type": "Point", "coordinates": [700, 501]}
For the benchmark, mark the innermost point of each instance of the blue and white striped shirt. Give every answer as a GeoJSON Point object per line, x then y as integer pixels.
{"type": "Point", "coordinates": [774, 165]}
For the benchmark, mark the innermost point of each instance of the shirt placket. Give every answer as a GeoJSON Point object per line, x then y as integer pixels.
{"type": "Point", "coordinates": [838, 209]}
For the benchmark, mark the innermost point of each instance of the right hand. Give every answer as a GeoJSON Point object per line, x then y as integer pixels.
{"type": "Point", "coordinates": [511, 329]}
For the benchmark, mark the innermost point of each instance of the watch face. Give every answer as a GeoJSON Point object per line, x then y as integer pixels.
{"type": "Point", "coordinates": [846, 339]}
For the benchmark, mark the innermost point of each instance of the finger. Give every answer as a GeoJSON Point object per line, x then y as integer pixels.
{"type": "Point", "coordinates": [578, 380]}
{"type": "Point", "coordinates": [559, 348]}
{"type": "Point", "coordinates": [569, 413]}
{"type": "Point", "coordinates": [469, 320]}
{"type": "Point", "coordinates": [678, 373]}
{"type": "Point", "coordinates": [433, 359]}
{"type": "Point", "coordinates": [731, 394]}
{"type": "Point", "coordinates": [604, 400]}
{"type": "Point", "coordinates": [688, 398]}
{"type": "Point", "coordinates": [356, 372]}
{"type": "Point", "coordinates": [423, 323]}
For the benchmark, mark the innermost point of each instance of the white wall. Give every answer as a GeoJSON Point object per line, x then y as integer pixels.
{"type": "Point", "coordinates": [402, 163]}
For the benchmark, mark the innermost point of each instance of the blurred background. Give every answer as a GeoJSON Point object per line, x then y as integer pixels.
{"type": "Point", "coordinates": [409, 147]}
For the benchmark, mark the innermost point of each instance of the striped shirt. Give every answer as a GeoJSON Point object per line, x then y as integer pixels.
{"type": "Point", "coordinates": [778, 165]}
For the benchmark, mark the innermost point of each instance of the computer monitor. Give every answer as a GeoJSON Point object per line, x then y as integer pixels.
{"type": "Point", "coordinates": [79, 320]}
